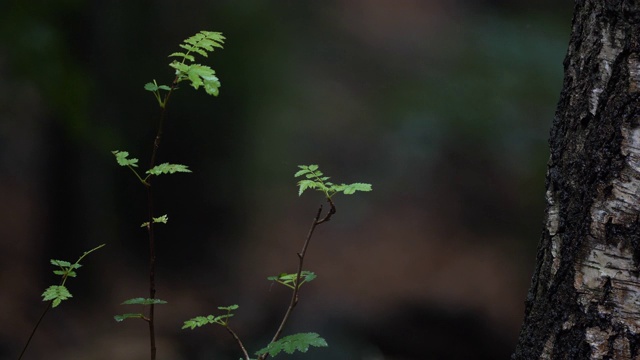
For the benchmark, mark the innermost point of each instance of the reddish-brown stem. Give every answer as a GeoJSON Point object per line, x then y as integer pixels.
{"type": "Point", "coordinates": [296, 289]}
{"type": "Point", "coordinates": [150, 225]}
{"type": "Point", "coordinates": [235, 336]}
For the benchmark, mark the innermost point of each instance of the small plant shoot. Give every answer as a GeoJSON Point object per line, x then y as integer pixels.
{"type": "Point", "coordinates": [315, 179]}
{"type": "Point", "coordinates": [58, 293]}
{"type": "Point", "coordinates": [199, 76]}
{"type": "Point", "coordinates": [222, 320]}
{"type": "Point", "coordinates": [122, 157]}
{"type": "Point", "coordinates": [185, 69]}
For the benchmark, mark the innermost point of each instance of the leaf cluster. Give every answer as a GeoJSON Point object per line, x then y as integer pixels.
{"type": "Point", "coordinates": [160, 219]}
{"type": "Point", "coordinates": [122, 157]}
{"type": "Point", "coordinates": [290, 344]}
{"type": "Point", "coordinates": [289, 280]}
{"type": "Point", "coordinates": [59, 293]}
{"type": "Point", "coordinates": [315, 179]}
{"type": "Point", "coordinates": [222, 320]}
{"type": "Point", "coordinates": [199, 75]}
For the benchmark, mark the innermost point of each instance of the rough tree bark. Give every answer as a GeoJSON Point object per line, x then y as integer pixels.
{"type": "Point", "coordinates": [584, 300]}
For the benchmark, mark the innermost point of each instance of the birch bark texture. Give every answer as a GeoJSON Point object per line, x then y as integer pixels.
{"type": "Point", "coordinates": [584, 300]}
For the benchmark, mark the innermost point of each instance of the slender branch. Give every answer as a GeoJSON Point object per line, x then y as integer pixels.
{"type": "Point", "coordinates": [294, 296]}
{"type": "Point", "coordinates": [35, 328]}
{"type": "Point", "coordinates": [235, 336]}
{"type": "Point", "coordinates": [150, 225]}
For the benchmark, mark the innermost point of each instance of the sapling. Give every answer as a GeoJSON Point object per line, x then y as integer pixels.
{"type": "Point", "coordinates": [203, 76]}
{"type": "Point", "coordinates": [56, 294]}
{"type": "Point", "coordinates": [199, 76]}
{"type": "Point", "coordinates": [313, 179]}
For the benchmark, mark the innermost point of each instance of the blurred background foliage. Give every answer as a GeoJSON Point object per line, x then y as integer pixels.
{"type": "Point", "coordinates": [444, 106]}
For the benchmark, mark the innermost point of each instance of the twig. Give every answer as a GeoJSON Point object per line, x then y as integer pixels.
{"type": "Point", "coordinates": [294, 296]}
{"type": "Point", "coordinates": [35, 328]}
{"type": "Point", "coordinates": [152, 245]}
{"type": "Point", "coordinates": [235, 336]}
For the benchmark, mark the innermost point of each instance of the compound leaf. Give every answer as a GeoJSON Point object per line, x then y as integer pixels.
{"type": "Point", "coordinates": [123, 160]}
{"type": "Point", "coordinates": [57, 293]}
{"type": "Point", "coordinates": [291, 343]}
{"type": "Point", "coordinates": [143, 301]}
{"type": "Point", "coordinates": [167, 168]}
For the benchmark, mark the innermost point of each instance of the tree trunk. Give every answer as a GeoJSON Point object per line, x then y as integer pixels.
{"type": "Point", "coordinates": [584, 300]}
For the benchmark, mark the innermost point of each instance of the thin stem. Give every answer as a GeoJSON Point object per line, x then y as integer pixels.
{"type": "Point", "coordinates": [296, 289]}
{"type": "Point", "coordinates": [150, 225]}
{"type": "Point", "coordinates": [62, 282]}
{"type": "Point", "coordinates": [152, 274]}
{"type": "Point", "coordinates": [35, 328]}
{"type": "Point", "coordinates": [235, 336]}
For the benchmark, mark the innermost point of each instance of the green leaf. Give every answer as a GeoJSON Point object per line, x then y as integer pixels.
{"type": "Point", "coordinates": [122, 317]}
{"type": "Point", "coordinates": [57, 293]}
{"type": "Point", "coordinates": [352, 188]}
{"type": "Point", "coordinates": [161, 219]}
{"type": "Point", "coordinates": [316, 180]}
{"type": "Point", "coordinates": [122, 158]}
{"type": "Point", "coordinates": [167, 168]}
{"type": "Point", "coordinates": [229, 308]}
{"type": "Point", "coordinates": [308, 184]}
{"type": "Point", "coordinates": [289, 280]}
{"type": "Point", "coordinates": [199, 75]}
{"type": "Point", "coordinates": [60, 263]}
{"type": "Point", "coordinates": [143, 301]}
{"type": "Point", "coordinates": [151, 86]}
{"type": "Point", "coordinates": [301, 172]}
{"type": "Point", "coordinates": [183, 55]}
{"type": "Point", "coordinates": [65, 272]}
{"type": "Point", "coordinates": [291, 343]}
{"type": "Point", "coordinates": [164, 87]}
{"type": "Point", "coordinates": [181, 68]}
{"type": "Point", "coordinates": [198, 321]}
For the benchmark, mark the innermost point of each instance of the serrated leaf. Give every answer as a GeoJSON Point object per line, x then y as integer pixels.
{"type": "Point", "coordinates": [143, 301]}
{"type": "Point", "coordinates": [183, 55]}
{"type": "Point", "coordinates": [229, 308]}
{"type": "Point", "coordinates": [306, 184]}
{"type": "Point", "coordinates": [301, 172]}
{"type": "Point", "coordinates": [167, 168]}
{"type": "Point", "coordinates": [212, 86]}
{"type": "Point", "coordinates": [65, 272]}
{"type": "Point", "coordinates": [123, 317]}
{"type": "Point", "coordinates": [122, 158]}
{"type": "Point", "coordinates": [161, 219]}
{"type": "Point", "coordinates": [291, 343]}
{"type": "Point", "coordinates": [60, 263]}
{"type": "Point", "coordinates": [198, 321]}
{"type": "Point", "coordinates": [57, 293]}
{"type": "Point", "coordinates": [180, 67]}
{"type": "Point", "coordinates": [352, 188]}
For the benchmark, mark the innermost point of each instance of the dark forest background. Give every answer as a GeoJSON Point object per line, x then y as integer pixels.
{"type": "Point", "coordinates": [444, 106]}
